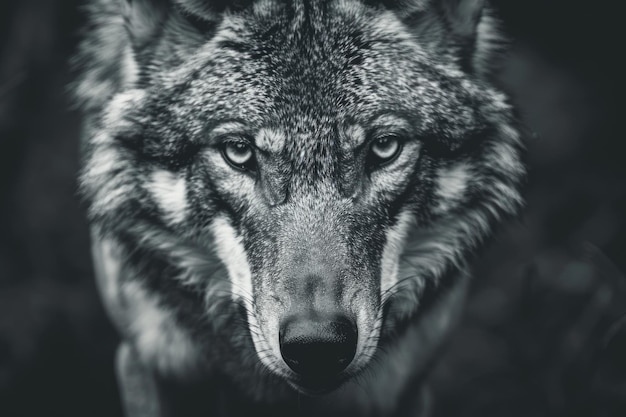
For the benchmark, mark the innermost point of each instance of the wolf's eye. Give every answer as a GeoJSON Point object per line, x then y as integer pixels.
{"type": "Point", "coordinates": [385, 149]}
{"type": "Point", "coordinates": [239, 155]}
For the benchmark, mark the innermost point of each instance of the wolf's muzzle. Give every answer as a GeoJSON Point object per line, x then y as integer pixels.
{"type": "Point", "coordinates": [318, 347]}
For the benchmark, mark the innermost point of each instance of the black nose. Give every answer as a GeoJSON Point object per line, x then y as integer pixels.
{"type": "Point", "coordinates": [318, 348]}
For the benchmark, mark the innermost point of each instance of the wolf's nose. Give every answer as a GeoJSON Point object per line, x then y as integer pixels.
{"type": "Point", "coordinates": [318, 348]}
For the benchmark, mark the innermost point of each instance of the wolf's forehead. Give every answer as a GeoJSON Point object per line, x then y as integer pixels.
{"type": "Point", "coordinates": [307, 76]}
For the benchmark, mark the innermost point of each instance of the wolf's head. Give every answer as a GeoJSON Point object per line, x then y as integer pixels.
{"type": "Point", "coordinates": [340, 158]}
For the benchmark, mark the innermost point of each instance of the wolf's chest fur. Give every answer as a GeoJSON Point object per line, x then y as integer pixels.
{"type": "Point", "coordinates": [284, 195]}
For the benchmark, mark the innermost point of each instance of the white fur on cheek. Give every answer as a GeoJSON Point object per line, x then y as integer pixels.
{"type": "Point", "coordinates": [170, 192]}
{"type": "Point", "coordinates": [451, 186]}
{"type": "Point", "coordinates": [108, 191]}
{"type": "Point", "coordinates": [140, 316]}
{"type": "Point", "coordinates": [129, 69]}
{"type": "Point", "coordinates": [158, 338]}
{"type": "Point", "coordinates": [118, 108]}
{"type": "Point", "coordinates": [232, 253]}
{"type": "Point", "coordinates": [391, 253]}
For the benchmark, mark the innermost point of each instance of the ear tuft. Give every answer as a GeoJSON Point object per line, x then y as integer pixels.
{"type": "Point", "coordinates": [463, 15]}
{"type": "Point", "coordinates": [142, 19]}
{"type": "Point", "coordinates": [465, 29]}
{"type": "Point", "coordinates": [489, 44]}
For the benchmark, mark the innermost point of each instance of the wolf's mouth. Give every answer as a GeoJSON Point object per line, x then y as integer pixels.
{"type": "Point", "coordinates": [316, 388]}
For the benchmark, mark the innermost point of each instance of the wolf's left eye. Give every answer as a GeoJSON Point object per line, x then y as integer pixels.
{"type": "Point", "coordinates": [385, 149]}
{"type": "Point", "coordinates": [239, 155]}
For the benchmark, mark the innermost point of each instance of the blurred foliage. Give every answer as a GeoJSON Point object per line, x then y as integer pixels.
{"type": "Point", "coordinates": [545, 329]}
{"type": "Point", "coordinates": [547, 342]}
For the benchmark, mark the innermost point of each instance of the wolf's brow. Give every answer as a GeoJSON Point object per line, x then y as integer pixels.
{"type": "Point", "coordinates": [270, 140]}
{"type": "Point", "coordinates": [389, 122]}
{"type": "Point", "coordinates": [226, 128]}
{"type": "Point", "coordinates": [355, 136]}
{"type": "Point", "coordinates": [266, 139]}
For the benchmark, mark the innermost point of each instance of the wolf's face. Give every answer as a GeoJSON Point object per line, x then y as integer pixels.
{"type": "Point", "coordinates": [338, 165]}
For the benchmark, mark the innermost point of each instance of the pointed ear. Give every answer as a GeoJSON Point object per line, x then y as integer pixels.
{"type": "Point", "coordinates": [186, 23]}
{"type": "Point", "coordinates": [463, 16]}
{"type": "Point", "coordinates": [145, 18]}
{"type": "Point", "coordinates": [463, 29]}
{"type": "Point", "coordinates": [142, 19]}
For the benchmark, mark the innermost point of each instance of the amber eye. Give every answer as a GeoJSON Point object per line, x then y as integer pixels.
{"type": "Point", "coordinates": [385, 149]}
{"type": "Point", "coordinates": [239, 155]}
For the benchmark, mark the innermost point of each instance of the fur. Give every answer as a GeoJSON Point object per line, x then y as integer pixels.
{"type": "Point", "coordinates": [201, 258]}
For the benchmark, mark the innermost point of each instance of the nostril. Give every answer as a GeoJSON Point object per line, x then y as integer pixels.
{"type": "Point", "coordinates": [317, 358]}
{"type": "Point", "coordinates": [318, 349]}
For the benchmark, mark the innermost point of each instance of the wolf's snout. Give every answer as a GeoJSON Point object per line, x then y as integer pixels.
{"type": "Point", "coordinates": [318, 348]}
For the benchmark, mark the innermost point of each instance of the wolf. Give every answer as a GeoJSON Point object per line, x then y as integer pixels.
{"type": "Point", "coordinates": [285, 197]}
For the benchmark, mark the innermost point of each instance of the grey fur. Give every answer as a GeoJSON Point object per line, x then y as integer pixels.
{"type": "Point", "coordinates": [198, 260]}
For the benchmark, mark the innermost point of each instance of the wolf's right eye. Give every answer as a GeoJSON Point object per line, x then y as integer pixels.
{"type": "Point", "coordinates": [384, 150]}
{"type": "Point", "coordinates": [239, 155]}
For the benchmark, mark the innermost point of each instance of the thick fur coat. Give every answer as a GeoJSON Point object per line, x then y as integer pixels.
{"type": "Point", "coordinates": [267, 177]}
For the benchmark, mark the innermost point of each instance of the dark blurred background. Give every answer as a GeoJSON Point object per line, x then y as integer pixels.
{"type": "Point", "coordinates": [545, 329]}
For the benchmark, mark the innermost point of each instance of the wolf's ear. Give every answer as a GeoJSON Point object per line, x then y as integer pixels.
{"type": "Point", "coordinates": [145, 18]}
{"type": "Point", "coordinates": [208, 8]}
{"type": "Point", "coordinates": [463, 16]}
{"type": "Point", "coordinates": [142, 19]}
{"type": "Point", "coordinates": [465, 29]}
